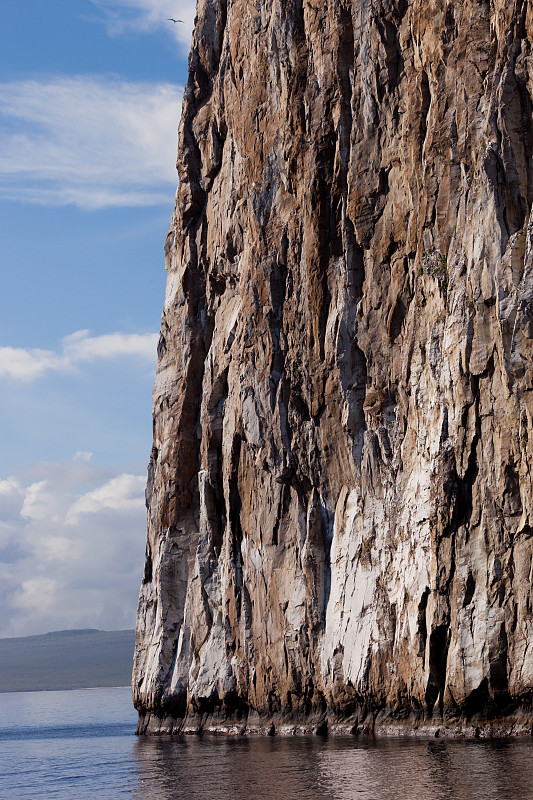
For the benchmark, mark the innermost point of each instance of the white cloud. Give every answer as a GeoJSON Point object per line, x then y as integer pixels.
{"type": "Point", "coordinates": [23, 364]}
{"type": "Point", "coordinates": [71, 549]}
{"type": "Point", "coordinates": [83, 455]}
{"type": "Point", "coordinates": [90, 141]}
{"type": "Point", "coordinates": [145, 16]}
{"type": "Point", "coordinates": [36, 593]}
{"type": "Point", "coordinates": [123, 493]}
{"type": "Point", "coordinates": [80, 346]}
{"type": "Point", "coordinates": [39, 503]}
{"type": "Point", "coordinates": [11, 500]}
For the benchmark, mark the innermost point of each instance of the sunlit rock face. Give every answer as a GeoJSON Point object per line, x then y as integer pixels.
{"type": "Point", "coordinates": [340, 488]}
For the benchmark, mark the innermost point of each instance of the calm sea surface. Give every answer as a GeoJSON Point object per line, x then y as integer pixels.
{"type": "Point", "coordinates": [81, 744]}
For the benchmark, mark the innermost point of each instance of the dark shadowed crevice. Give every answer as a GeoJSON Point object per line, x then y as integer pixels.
{"type": "Point", "coordinates": [148, 572]}
{"type": "Point", "coordinates": [235, 505]}
{"type": "Point", "coordinates": [396, 319]}
{"type": "Point", "coordinates": [438, 654]}
{"type": "Point", "coordinates": [469, 590]}
{"type": "Point", "coordinates": [425, 100]}
{"type": "Point", "coordinates": [422, 622]}
{"type": "Point", "coordinates": [498, 669]}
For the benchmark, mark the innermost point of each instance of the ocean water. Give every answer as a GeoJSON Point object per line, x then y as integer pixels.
{"type": "Point", "coordinates": [81, 744]}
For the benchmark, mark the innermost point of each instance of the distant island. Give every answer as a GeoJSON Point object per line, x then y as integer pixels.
{"type": "Point", "coordinates": [77, 659]}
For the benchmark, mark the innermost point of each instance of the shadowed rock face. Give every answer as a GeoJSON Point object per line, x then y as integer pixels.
{"type": "Point", "coordinates": [340, 487]}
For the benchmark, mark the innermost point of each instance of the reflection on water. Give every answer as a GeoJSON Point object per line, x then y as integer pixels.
{"type": "Point", "coordinates": [81, 746]}
{"type": "Point", "coordinates": [335, 769]}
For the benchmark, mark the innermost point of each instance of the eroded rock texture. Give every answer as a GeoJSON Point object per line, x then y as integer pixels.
{"type": "Point", "coordinates": [340, 488]}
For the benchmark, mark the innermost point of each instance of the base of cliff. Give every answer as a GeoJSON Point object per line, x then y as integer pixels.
{"type": "Point", "coordinates": [381, 725]}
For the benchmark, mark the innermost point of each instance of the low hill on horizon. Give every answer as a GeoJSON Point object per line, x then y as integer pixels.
{"type": "Point", "coordinates": [68, 659]}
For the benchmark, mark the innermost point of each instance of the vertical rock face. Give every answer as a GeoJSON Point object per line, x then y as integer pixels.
{"type": "Point", "coordinates": [340, 487]}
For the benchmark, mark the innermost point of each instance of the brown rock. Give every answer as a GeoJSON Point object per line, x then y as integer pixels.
{"type": "Point", "coordinates": [340, 489]}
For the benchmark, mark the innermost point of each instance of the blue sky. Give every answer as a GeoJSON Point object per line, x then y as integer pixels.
{"type": "Point", "coordinates": [90, 96]}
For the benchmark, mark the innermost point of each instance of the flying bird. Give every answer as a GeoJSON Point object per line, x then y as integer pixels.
{"type": "Point", "coordinates": [169, 19]}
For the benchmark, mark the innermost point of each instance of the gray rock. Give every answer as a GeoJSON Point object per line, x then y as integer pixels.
{"type": "Point", "coordinates": [340, 494]}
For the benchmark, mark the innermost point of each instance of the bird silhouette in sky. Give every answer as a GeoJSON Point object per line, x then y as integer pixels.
{"type": "Point", "coordinates": [169, 19]}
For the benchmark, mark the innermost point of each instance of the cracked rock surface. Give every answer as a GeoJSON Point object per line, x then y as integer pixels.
{"type": "Point", "coordinates": [340, 487]}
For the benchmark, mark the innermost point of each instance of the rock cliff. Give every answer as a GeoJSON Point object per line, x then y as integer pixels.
{"type": "Point", "coordinates": [340, 523]}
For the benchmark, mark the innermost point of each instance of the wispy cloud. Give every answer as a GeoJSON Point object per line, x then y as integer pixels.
{"type": "Point", "coordinates": [81, 346]}
{"type": "Point", "coordinates": [123, 493]}
{"type": "Point", "coordinates": [22, 364]}
{"type": "Point", "coordinates": [26, 365]}
{"type": "Point", "coordinates": [71, 548]}
{"type": "Point", "coordinates": [90, 141]}
{"type": "Point", "coordinates": [126, 16]}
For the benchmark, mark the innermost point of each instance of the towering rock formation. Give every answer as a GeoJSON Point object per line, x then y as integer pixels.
{"type": "Point", "coordinates": [340, 488]}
